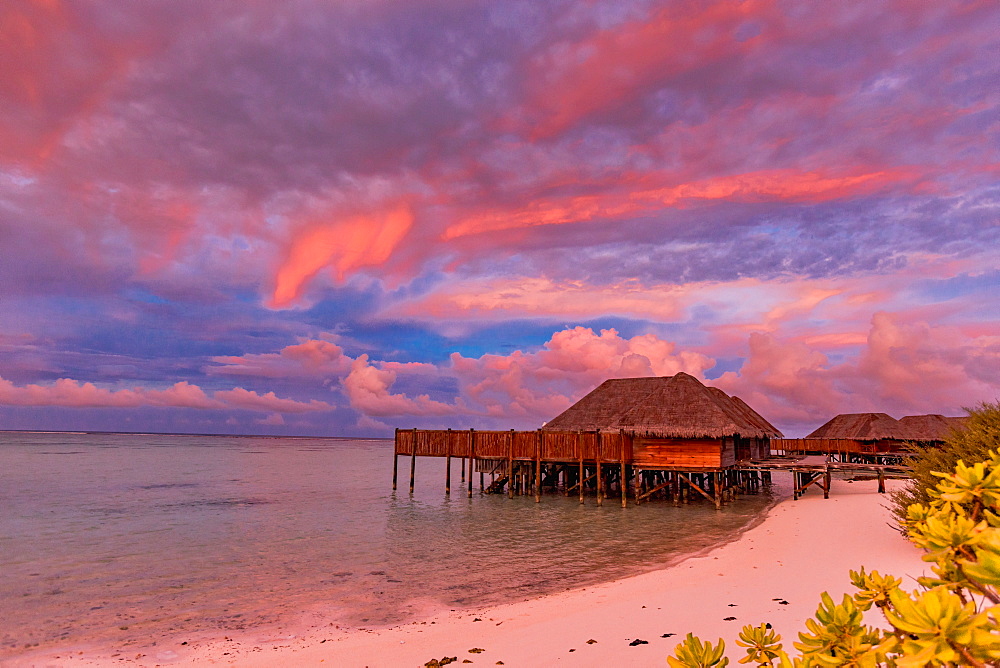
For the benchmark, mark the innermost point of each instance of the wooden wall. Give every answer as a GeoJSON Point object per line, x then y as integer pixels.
{"type": "Point", "coordinates": [679, 453]}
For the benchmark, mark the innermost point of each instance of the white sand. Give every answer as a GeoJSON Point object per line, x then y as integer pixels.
{"type": "Point", "coordinates": [803, 548]}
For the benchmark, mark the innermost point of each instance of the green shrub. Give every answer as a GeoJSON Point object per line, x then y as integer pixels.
{"type": "Point", "coordinates": [971, 444]}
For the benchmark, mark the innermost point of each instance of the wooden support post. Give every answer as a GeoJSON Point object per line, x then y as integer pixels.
{"type": "Point", "coordinates": [538, 468]}
{"type": "Point", "coordinates": [581, 469]}
{"type": "Point", "coordinates": [413, 460]}
{"type": "Point", "coordinates": [623, 483]}
{"type": "Point", "coordinates": [447, 465]}
{"type": "Point", "coordinates": [826, 484]}
{"type": "Point", "coordinates": [600, 482]}
{"type": "Point", "coordinates": [472, 458]}
{"type": "Point", "coordinates": [676, 488]}
{"type": "Point", "coordinates": [395, 460]}
{"type": "Point", "coordinates": [717, 492]}
{"type": "Point", "coordinates": [881, 481]}
{"type": "Point", "coordinates": [510, 465]}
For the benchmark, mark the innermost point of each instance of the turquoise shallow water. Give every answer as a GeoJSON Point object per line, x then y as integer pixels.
{"type": "Point", "coordinates": [115, 538]}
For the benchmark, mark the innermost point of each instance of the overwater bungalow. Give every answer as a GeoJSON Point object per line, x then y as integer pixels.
{"type": "Point", "coordinates": [931, 428]}
{"type": "Point", "coordinates": [675, 422]}
{"type": "Point", "coordinates": [876, 436]}
{"type": "Point", "coordinates": [668, 436]}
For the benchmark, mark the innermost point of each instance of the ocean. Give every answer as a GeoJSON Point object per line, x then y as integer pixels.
{"type": "Point", "coordinates": [115, 539]}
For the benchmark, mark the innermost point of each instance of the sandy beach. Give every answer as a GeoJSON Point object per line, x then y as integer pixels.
{"type": "Point", "coordinates": [773, 573]}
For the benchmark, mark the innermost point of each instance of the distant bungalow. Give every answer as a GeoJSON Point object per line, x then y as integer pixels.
{"type": "Point", "coordinates": [857, 435]}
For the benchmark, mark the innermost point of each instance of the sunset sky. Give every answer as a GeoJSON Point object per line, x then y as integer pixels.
{"type": "Point", "coordinates": [340, 217]}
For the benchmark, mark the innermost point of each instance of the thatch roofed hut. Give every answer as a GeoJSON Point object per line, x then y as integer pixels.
{"type": "Point", "coordinates": [754, 416]}
{"type": "Point", "coordinates": [881, 433]}
{"type": "Point", "coordinates": [931, 427]}
{"type": "Point", "coordinates": [675, 421]}
{"type": "Point", "coordinates": [861, 427]}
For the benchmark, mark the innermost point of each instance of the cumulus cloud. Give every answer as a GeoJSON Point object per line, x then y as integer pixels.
{"type": "Point", "coordinates": [70, 393]}
{"type": "Point", "coordinates": [367, 388]}
{"type": "Point", "coordinates": [532, 386]}
{"type": "Point", "coordinates": [316, 358]}
{"type": "Point", "coordinates": [272, 420]}
{"type": "Point", "coordinates": [796, 375]}
{"type": "Point", "coordinates": [541, 384]}
{"type": "Point", "coordinates": [250, 400]}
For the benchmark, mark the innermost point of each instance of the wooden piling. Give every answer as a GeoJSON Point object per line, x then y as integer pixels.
{"type": "Point", "coordinates": [881, 481]}
{"type": "Point", "coordinates": [510, 465]}
{"type": "Point", "coordinates": [623, 482]}
{"type": "Point", "coordinates": [395, 460]}
{"type": "Point", "coordinates": [413, 460]}
{"type": "Point", "coordinates": [472, 458]}
{"type": "Point", "coordinates": [538, 467]}
{"type": "Point", "coordinates": [447, 465]}
{"type": "Point", "coordinates": [600, 482]}
{"type": "Point", "coordinates": [580, 482]}
{"type": "Point", "coordinates": [717, 483]}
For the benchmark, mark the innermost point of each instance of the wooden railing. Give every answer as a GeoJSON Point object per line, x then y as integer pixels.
{"type": "Point", "coordinates": [835, 445]}
{"type": "Point", "coordinates": [556, 446]}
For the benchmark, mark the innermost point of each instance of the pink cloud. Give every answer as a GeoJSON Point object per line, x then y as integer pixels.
{"type": "Point", "coordinates": [183, 395]}
{"type": "Point", "coordinates": [904, 367]}
{"type": "Point", "coordinates": [315, 358]}
{"type": "Point", "coordinates": [367, 388]}
{"type": "Point", "coordinates": [267, 402]}
{"type": "Point", "coordinates": [541, 384]}
{"type": "Point", "coordinates": [75, 394]}
{"type": "Point", "coordinates": [272, 420]}
{"type": "Point", "coordinates": [779, 185]}
{"type": "Point", "coordinates": [527, 296]}
{"type": "Point", "coordinates": [67, 392]}
{"type": "Point", "coordinates": [342, 245]}
{"type": "Point", "coordinates": [577, 79]}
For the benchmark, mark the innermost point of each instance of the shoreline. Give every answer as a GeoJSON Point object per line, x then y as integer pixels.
{"type": "Point", "coordinates": [774, 571]}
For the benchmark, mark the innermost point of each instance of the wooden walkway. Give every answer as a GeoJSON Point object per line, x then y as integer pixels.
{"type": "Point", "coordinates": [818, 470]}
{"type": "Point", "coordinates": [602, 465]}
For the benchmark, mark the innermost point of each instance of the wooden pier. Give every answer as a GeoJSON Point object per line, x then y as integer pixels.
{"type": "Point", "coordinates": [605, 465]}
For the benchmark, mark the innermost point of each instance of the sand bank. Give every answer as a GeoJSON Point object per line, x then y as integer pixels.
{"type": "Point", "coordinates": [773, 573]}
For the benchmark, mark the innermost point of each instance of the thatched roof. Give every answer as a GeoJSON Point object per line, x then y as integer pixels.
{"type": "Point", "coordinates": [754, 416]}
{"type": "Point", "coordinates": [677, 406]}
{"type": "Point", "coordinates": [931, 427]}
{"type": "Point", "coordinates": [861, 427]}
{"type": "Point", "coordinates": [879, 426]}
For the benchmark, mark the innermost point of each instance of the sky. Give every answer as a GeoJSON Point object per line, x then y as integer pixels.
{"type": "Point", "coordinates": [338, 218]}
